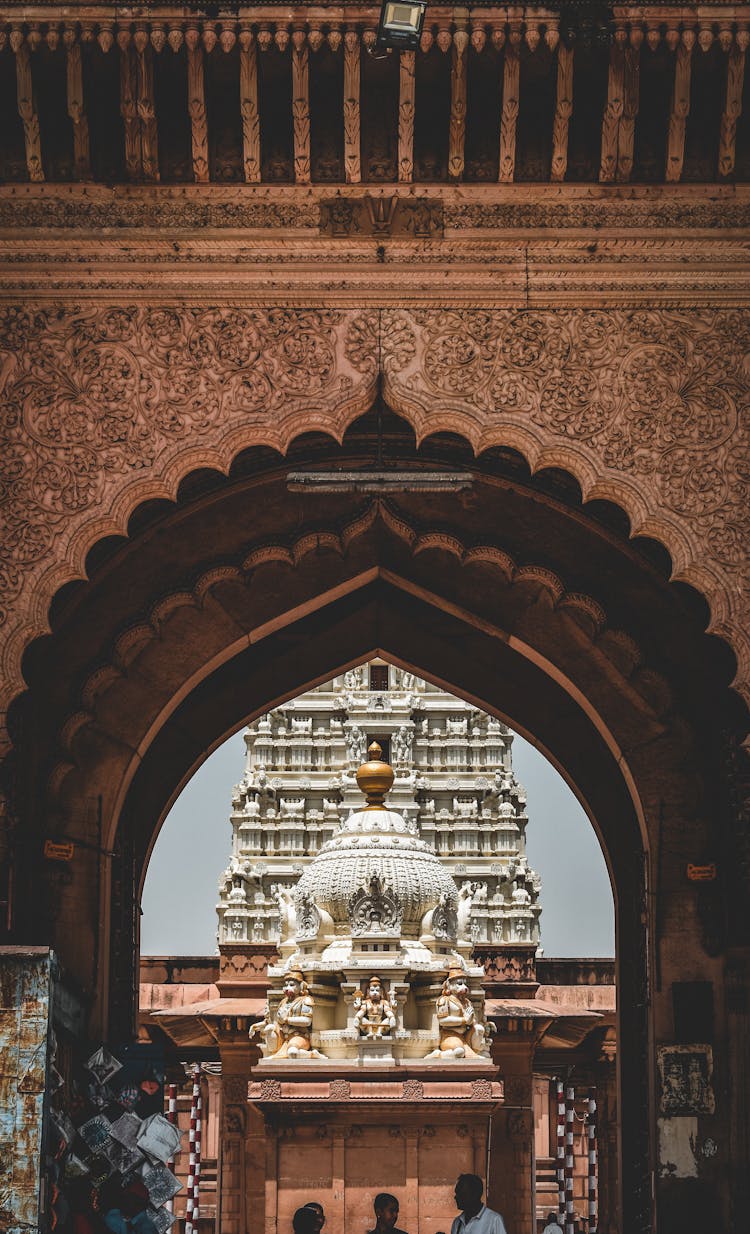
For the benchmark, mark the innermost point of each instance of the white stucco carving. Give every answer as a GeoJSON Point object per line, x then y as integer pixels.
{"type": "Point", "coordinates": [455, 795]}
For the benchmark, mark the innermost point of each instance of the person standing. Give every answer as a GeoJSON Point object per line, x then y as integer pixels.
{"type": "Point", "coordinates": [475, 1217]}
{"type": "Point", "coordinates": [386, 1214]}
{"type": "Point", "coordinates": [552, 1225]}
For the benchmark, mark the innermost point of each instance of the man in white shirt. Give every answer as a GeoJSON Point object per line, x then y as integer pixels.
{"type": "Point", "coordinates": [476, 1217]}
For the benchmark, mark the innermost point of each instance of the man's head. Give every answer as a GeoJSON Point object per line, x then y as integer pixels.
{"type": "Point", "coordinates": [305, 1221]}
{"type": "Point", "coordinates": [319, 1213]}
{"type": "Point", "coordinates": [375, 989]}
{"type": "Point", "coordinates": [386, 1210]}
{"type": "Point", "coordinates": [468, 1193]}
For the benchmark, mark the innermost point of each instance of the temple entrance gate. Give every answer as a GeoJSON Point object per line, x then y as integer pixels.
{"type": "Point", "coordinates": [249, 594]}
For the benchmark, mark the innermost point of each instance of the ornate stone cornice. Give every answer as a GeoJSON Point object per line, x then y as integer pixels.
{"type": "Point", "coordinates": [506, 245]}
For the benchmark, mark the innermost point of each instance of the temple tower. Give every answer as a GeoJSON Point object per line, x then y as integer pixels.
{"type": "Point", "coordinates": [453, 780]}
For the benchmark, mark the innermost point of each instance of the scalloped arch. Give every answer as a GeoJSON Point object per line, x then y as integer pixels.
{"type": "Point", "coordinates": [589, 615]}
{"type": "Point", "coordinates": [565, 388]}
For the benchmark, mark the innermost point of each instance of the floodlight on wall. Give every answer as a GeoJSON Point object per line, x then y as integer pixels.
{"type": "Point", "coordinates": [401, 24]}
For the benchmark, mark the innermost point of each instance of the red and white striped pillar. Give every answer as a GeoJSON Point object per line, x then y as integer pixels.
{"type": "Point", "coordinates": [593, 1214]}
{"type": "Point", "coordinates": [560, 1162]}
{"type": "Point", "coordinates": [570, 1113]}
{"type": "Point", "coordinates": [192, 1209]}
{"type": "Point", "coordinates": [172, 1118]}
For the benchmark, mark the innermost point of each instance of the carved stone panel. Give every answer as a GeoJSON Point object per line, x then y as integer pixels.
{"type": "Point", "coordinates": [107, 405]}
{"type": "Point", "coordinates": [644, 408]}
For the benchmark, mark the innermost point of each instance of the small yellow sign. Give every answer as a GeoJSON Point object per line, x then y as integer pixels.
{"type": "Point", "coordinates": [59, 852]}
{"type": "Point", "coordinates": [702, 874]}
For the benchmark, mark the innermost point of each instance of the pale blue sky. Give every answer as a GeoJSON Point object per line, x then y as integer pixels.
{"type": "Point", "coordinates": [193, 848]}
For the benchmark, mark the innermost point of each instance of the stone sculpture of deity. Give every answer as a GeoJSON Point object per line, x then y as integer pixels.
{"type": "Point", "coordinates": [461, 1034]}
{"type": "Point", "coordinates": [375, 1016]}
{"type": "Point", "coordinates": [289, 1035]}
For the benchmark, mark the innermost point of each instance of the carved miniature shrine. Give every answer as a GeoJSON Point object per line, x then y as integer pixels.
{"type": "Point", "coordinates": [394, 1050]}
{"type": "Point", "coordinates": [375, 1003]}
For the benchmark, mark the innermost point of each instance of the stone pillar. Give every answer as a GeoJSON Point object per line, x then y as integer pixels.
{"type": "Point", "coordinates": [606, 1097]}
{"type": "Point", "coordinates": [240, 1200]}
{"type": "Point", "coordinates": [510, 1182]}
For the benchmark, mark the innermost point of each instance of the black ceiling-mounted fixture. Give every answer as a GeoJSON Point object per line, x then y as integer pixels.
{"type": "Point", "coordinates": [400, 24]}
{"type": "Point", "coordinates": [586, 22]}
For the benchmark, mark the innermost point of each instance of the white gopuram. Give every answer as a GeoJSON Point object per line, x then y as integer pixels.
{"type": "Point", "coordinates": [453, 779]}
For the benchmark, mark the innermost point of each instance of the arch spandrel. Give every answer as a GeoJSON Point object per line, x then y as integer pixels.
{"type": "Point", "coordinates": [109, 406]}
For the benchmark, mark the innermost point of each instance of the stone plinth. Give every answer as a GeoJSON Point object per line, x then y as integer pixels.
{"type": "Point", "coordinates": [341, 1140]}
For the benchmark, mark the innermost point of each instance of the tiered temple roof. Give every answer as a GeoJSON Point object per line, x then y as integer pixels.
{"type": "Point", "coordinates": [454, 782]}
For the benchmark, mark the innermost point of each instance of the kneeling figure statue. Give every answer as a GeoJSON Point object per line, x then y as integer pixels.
{"type": "Point", "coordinates": [461, 1034]}
{"type": "Point", "coordinates": [289, 1035]}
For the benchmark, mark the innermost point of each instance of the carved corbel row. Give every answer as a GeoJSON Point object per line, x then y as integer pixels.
{"type": "Point", "coordinates": [534, 25]}
{"type": "Point", "coordinates": [460, 35]}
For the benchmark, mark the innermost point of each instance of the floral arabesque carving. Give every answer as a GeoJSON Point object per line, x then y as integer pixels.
{"type": "Point", "coordinates": [648, 409]}
{"type": "Point", "coordinates": [107, 406]}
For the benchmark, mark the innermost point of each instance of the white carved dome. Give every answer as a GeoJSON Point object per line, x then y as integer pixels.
{"type": "Point", "coordinates": [378, 842]}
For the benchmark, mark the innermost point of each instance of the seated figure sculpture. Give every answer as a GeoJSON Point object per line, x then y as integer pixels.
{"type": "Point", "coordinates": [289, 1034]}
{"type": "Point", "coordinates": [461, 1034]}
{"type": "Point", "coordinates": [374, 1016]}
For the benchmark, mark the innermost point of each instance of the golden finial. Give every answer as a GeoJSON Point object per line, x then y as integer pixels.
{"type": "Point", "coordinates": [375, 778]}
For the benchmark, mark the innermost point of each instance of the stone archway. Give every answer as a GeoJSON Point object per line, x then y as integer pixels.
{"type": "Point", "coordinates": [282, 593]}
{"type": "Point", "coordinates": [642, 407]}
{"type": "Point", "coordinates": [135, 682]}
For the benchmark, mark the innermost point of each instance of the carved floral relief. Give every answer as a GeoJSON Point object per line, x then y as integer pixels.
{"type": "Point", "coordinates": [645, 408]}
{"type": "Point", "coordinates": [105, 406]}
